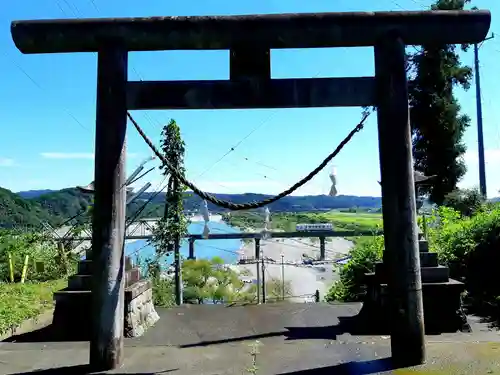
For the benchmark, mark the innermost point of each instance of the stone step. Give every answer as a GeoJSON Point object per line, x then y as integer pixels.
{"type": "Point", "coordinates": [429, 274]}
{"type": "Point", "coordinates": [80, 282]}
{"type": "Point", "coordinates": [428, 260]}
{"type": "Point", "coordinates": [83, 281]}
{"type": "Point", "coordinates": [438, 274]}
{"type": "Point", "coordinates": [85, 267]}
{"type": "Point", "coordinates": [73, 297]}
{"type": "Point", "coordinates": [423, 246]}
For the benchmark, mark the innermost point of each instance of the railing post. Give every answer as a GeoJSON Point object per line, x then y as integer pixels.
{"type": "Point", "coordinates": [322, 250]}
{"type": "Point", "coordinates": [398, 203]}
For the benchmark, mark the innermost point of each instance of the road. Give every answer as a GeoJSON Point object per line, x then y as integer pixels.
{"type": "Point", "coordinates": [303, 280]}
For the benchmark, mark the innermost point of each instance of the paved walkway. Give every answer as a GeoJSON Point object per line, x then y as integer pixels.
{"type": "Point", "coordinates": [294, 339]}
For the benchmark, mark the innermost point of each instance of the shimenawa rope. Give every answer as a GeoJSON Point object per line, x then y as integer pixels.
{"type": "Point", "coordinates": [250, 205]}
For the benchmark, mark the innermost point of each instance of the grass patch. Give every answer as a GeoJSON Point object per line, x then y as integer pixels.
{"type": "Point", "coordinates": [19, 302]}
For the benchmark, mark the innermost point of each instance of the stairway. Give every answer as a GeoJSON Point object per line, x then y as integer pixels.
{"type": "Point", "coordinates": [73, 305]}
{"type": "Point", "coordinates": [441, 295]}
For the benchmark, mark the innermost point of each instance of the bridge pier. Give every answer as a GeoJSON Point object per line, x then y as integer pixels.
{"type": "Point", "coordinates": [191, 249]}
{"type": "Point", "coordinates": [322, 248]}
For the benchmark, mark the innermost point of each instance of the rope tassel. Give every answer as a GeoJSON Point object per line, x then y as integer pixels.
{"type": "Point", "coordinates": [206, 218]}
{"type": "Point", "coordinates": [333, 189]}
{"type": "Point", "coordinates": [267, 220]}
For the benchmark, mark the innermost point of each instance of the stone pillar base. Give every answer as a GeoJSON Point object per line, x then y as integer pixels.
{"type": "Point", "coordinates": [140, 313]}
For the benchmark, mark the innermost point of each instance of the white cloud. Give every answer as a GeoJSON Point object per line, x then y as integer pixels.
{"type": "Point", "coordinates": [67, 155]}
{"type": "Point", "coordinates": [6, 162]}
{"type": "Point", "coordinates": [74, 155]}
{"type": "Point", "coordinates": [490, 156]}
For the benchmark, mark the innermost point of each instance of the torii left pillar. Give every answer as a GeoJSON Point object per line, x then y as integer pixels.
{"type": "Point", "coordinates": [108, 221]}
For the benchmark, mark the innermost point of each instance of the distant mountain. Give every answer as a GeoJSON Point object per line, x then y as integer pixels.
{"type": "Point", "coordinates": [69, 201]}
{"type": "Point", "coordinates": [33, 193]}
{"type": "Point", "coordinates": [286, 204]}
{"type": "Point", "coordinates": [30, 208]}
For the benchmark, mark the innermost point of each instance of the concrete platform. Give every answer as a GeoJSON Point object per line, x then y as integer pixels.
{"type": "Point", "coordinates": [295, 339]}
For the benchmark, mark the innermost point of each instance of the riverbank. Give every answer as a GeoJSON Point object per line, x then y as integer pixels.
{"type": "Point", "coordinates": [304, 280]}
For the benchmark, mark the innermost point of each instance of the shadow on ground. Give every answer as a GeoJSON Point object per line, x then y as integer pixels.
{"type": "Point", "coordinates": [46, 334]}
{"type": "Point", "coordinates": [84, 370]}
{"type": "Point", "coordinates": [357, 325]}
{"type": "Point", "coordinates": [350, 368]}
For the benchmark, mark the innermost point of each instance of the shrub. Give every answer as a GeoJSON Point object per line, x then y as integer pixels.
{"type": "Point", "coordinates": [364, 255]}
{"type": "Point", "coordinates": [19, 302]}
{"type": "Point", "coordinates": [163, 292]}
{"type": "Point", "coordinates": [470, 247]}
{"type": "Point", "coordinates": [465, 201]}
{"type": "Point", "coordinates": [39, 250]}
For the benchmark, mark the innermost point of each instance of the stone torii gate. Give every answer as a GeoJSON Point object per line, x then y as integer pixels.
{"type": "Point", "coordinates": [249, 40]}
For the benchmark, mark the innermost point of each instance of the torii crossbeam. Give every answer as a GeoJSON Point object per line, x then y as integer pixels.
{"type": "Point", "coordinates": [250, 39]}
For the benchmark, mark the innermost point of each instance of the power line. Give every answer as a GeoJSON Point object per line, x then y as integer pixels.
{"type": "Point", "coordinates": [93, 3]}
{"type": "Point", "coordinates": [236, 206]}
{"type": "Point", "coordinates": [237, 144]}
{"type": "Point", "coordinates": [243, 139]}
{"type": "Point", "coordinates": [78, 14]}
{"type": "Point", "coordinates": [18, 66]}
{"type": "Point", "coordinates": [153, 196]}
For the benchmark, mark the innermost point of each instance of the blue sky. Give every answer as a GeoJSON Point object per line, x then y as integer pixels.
{"type": "Point", "coordinates": [48, 106]}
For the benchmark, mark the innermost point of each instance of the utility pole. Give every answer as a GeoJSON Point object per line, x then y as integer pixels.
{"type": "Point", "coordinates": [257, 261]}
{"type": "Point", "coordinates": [283, 276]}
{"type": "Point", "coordinates": [480, 138]}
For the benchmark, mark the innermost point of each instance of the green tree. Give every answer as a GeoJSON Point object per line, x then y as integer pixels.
{"type": "Point", "coordinates": [437, 124]}
{"type": "Point", "coordinates": [173, 225]}
{"type": "Point", "coordinates": [203, 280]}
{"type": "Point", "coordinates": [465, 201]}
{"type": "Point", "coordinates": [211, 280]}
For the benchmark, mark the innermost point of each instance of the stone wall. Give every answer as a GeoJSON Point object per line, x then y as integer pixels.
{"type": "Point", "coordinates": [140, 313]}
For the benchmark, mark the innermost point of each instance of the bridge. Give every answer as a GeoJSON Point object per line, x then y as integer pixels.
{"type": "Point", "coordinates": [143, 230]}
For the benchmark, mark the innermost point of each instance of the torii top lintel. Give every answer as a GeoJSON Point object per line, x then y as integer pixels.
{"type": "Point", "coordinates": [272, 31]}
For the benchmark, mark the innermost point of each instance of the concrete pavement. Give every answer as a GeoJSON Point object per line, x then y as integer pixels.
{"type": "Point", "coordinates": [295, 339]}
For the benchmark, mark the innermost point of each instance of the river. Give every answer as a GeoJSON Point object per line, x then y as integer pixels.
{"type": "Point", "coordinates": [204, 249]}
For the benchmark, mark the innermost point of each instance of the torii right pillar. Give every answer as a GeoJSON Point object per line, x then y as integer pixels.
{"type": "Point", "coordinates": [398, 203]}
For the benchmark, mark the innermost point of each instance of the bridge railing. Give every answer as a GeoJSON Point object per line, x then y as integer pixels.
{"type": "Point", "coordinates": [322, 235]}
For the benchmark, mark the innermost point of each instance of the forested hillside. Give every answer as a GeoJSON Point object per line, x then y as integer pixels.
{"type": "Point", "coordinates": [18, 212]}
{"type": "Point", "coordinates": [31, 207]}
